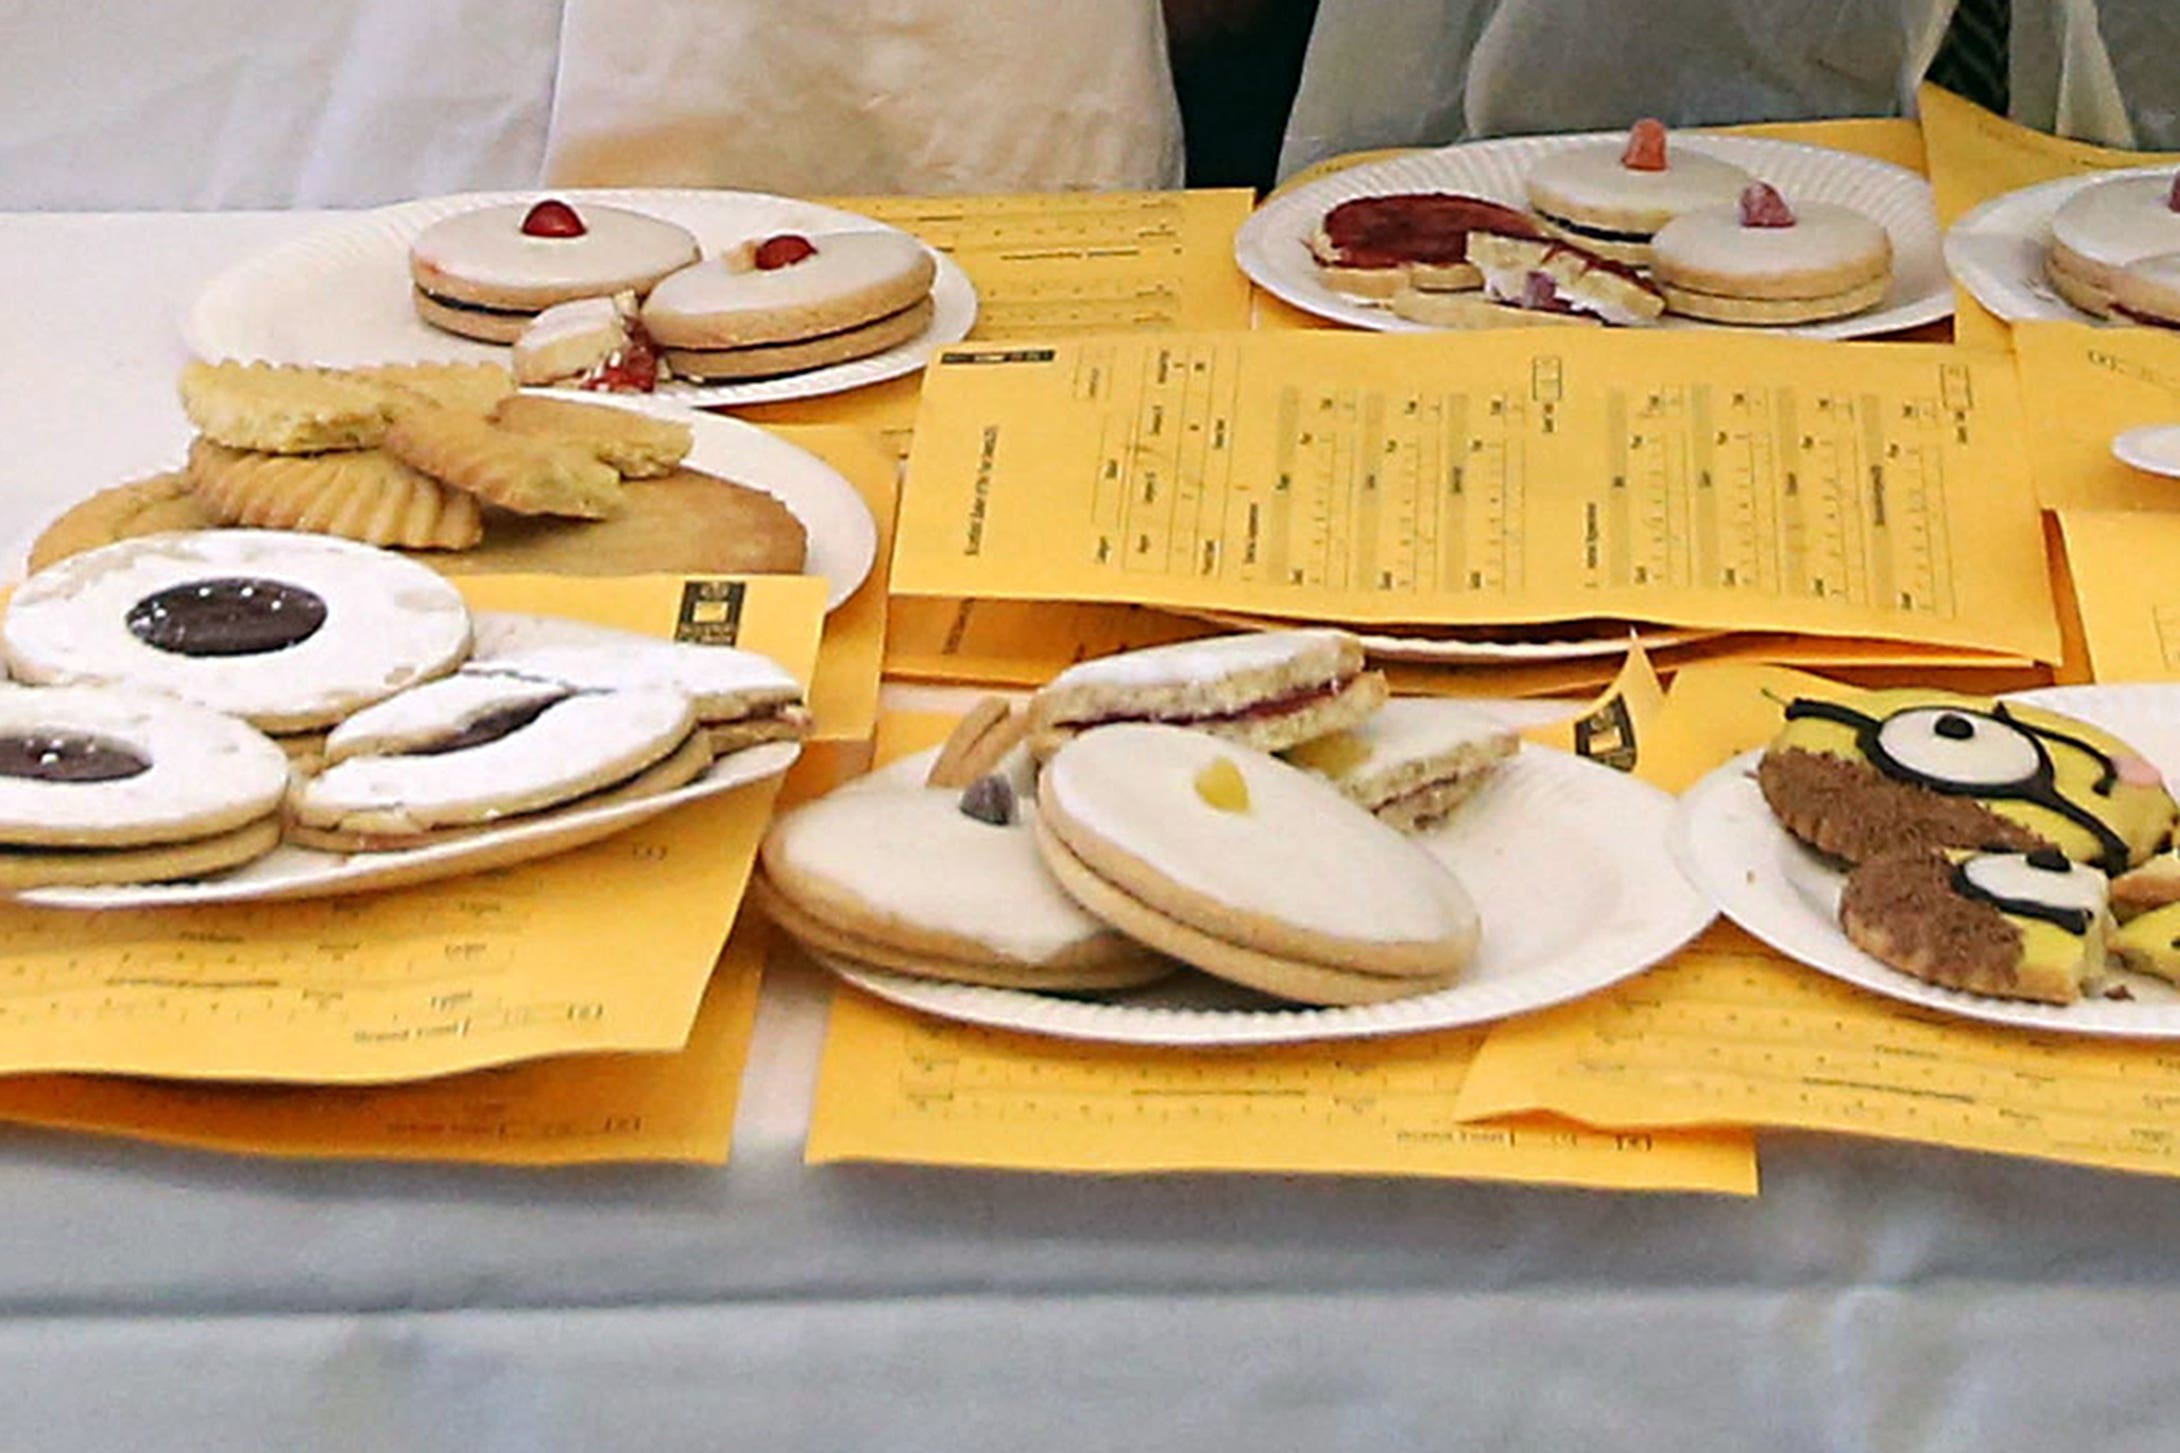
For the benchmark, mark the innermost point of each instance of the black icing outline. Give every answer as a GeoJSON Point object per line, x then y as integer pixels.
{"type": "Point", "coordinates": [2039, 788]}
{"type": "Point", "coordinates": [2075, 921]}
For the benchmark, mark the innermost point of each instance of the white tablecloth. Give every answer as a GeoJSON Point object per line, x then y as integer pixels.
{"type": "Point", "coordinates": [1876, 1298]}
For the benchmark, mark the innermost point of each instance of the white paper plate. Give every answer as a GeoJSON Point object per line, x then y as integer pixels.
{"type": "Point", "coordinates": [1734, 850]}
{"type": "Point", "coordinates": [1997, 249]}
{"type": "Point", "coordinates": [1273, 245]}
{"type": "Point", "coordinates": [1566, 859]}
{"type": "Point", "coordinates": [293, 872]}
{"type": "Point", "coordinates": [842, 536]}
{"type": "Point", "coordinates": [340, 297]}
{"type": "Point", "coordinates": [2152, 448]}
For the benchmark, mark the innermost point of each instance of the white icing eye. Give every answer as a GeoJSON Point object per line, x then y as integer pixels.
{"type": "Point", "coordinates": [2031, 878]}
{"type": "Point", "coordinates": [1947, 746]}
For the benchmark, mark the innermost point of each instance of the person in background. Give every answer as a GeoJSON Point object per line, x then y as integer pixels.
{"type": "Point", "coordinates": [1381, 73]}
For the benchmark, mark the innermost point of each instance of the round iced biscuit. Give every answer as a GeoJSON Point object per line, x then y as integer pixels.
{"type": "Point", "coordinates": [153, 505]}
{"type": "Point", "coordinates": [287, 631]}
{"type": "Point", "coordinates": [1775, 312]}
{"type": "Point", "coordinates": [473, 747]}
{"type": "Point", "coordinates": [483, 257]}
{"type": "Point", "coordinates": [887, 861]}
{"type": "Point", "coordinates": [22, 869]}
{"type": "Point", "coordinates": [1221, 684]}
{"type": "Point", "coordinates": [1294, 870]}
{"type": "Point", "coordinates": [723, 681]}
{"type": "Point", "coordinates": [2084, 284]}
{"type": "Point", "coordinates": [850, 279]}
{"type": "Point", "coordinates": [2147, 290]}
{"type": "Point", "coordinates": [1828, 250]}
{"type": "Point", "coordinates": [102, 766]}
{"type": "Point", "coordinates": [1586, 195]}
{"type": "Point", "coordinates": [2111, 223]}
{"type": "Point", "coordinates": [767, 360]}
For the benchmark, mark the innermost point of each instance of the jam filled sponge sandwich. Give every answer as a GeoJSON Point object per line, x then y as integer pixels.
{"type": "Point", "coordinates": [791, 302]}
{"type": "Point", "coordinates": [102, 784]}
{"type": "Point", "coordinates": [2103, 228]}
{"type": "Point", "coordinates": [2009, 925]}
{"type": "Point", "coordinates": [1413, 761]}
{"type": "Point", "coordinates": [1269, 690]}
{"type": "Point", "coordinates": [1375, 247]}
{"type": "Point", "coordinates": [1761, 261]}
{"type": "Point", "coordinates": [1612, 200]}
{"type": "Point", "coordinates": [1253, 871]}
{"type": "Point", "coordinates": [290, 632]}
{"type": "Point", "coordinates": [1881, 771]}
{"type": "Point", "coordinates": [487, 272]}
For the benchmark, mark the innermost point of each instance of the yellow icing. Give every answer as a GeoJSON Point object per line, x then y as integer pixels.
{"type": "Point", "coordinates": [2149, 942]}
{"type": "Point", "coordinates": [1333, 755]}
{"type": "Point", "coordinates": [1220, 784]}
{"type": "Point", "coordinates": [2140, 815]}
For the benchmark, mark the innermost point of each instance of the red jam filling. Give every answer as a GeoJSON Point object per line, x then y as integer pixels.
{"type": "Point", "coordinates": [633, 369]}
{"type": "Point", "coordinates": [1293, 701]}
{"type": "Point", "coordinates": [1425, 227]}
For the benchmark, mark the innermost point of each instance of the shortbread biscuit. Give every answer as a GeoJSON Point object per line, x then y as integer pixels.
{"type": "Point", "coordinates": [2106, 226]}
{"type": "Point", "coordinates": [22, 869]}
{"type": "Point", "coordinates": [472, 388]}
{"type": "Point", "coordinates": [768, 360]}
{"type": "Point", "coordinates": [788, 289]}
{"type": "Point", "coordinates": [684, 524]}
{"type": "Point", "coordinates": [637, 446]}
{"type": "Point", "coordinates": [1887, 770]}
{"type": "Point", "coordinates": [147, 506]}
{"type": "Point", "coordinates": [358, 494]}
{"type": "Point", "coordinates": [1612, 197]}
{"type": "Point", "coordinates": [1243, 851]}
{"type": "Point", "coordinates": [283, 409]}
{"type": "Point", "coordinates": [1766, 261]}
{"type": "Point", "coordinates": [517, 472]}
{"type": "Point", "coordinates": [486, 272]}
{"type": "Point", "coordinates": [889, 871]}
{"type": "Point", "coordinates": [2006, 925]}
{"type": "Point", "coordinates": [477, 746]}
{"type": "Point", "coordinates": [287, 631]}
{"type": "Point", "coordinates": [1268, 689]}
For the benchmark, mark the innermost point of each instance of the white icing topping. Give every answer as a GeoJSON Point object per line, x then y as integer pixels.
{"type": "Point", "coordinates": [389, 622]}
{"type": "Point", "coordinates": [845, 263]}
{"type": "Point", "coordinates": [2114, 222]}
{"type": "Point", "coordinates": [592, 655]}
{"type": "Point", "coordinates": [1302, 854]}
{"type": "Point", "coordinates": [1593, 178]}
{"type": "Point", "coordinates": [1991, 754]}
{"type": "Point", "coordinates": [1418, 729]}
{"type": "Point", "coordinates": [910, 853]}
{"type": "Point", "coordinates": [2074, 887]}
{"type": "Point", "coordinates": [488, 246]}
{"type": "Point", "coordinates": [574, 319]}
{"type": "Point", "coordinates": [1824, 237]}
{"type": "Point", "coordinates": [202, 765]}
{"type": "Point", "coordinates": [1187, 662]}
{"type": "Point", "coordinates": [579, 744]}
{"type": "Point", "coordinates": [431, 713]}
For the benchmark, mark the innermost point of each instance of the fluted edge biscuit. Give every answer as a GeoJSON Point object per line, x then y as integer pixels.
{"type": "Point", "coordinates": [283, 408]}
{"type": "Point", "coordinates": [517, 472]}
{"type": "Point", "coordinates": [637, 446]}
{"type": "Point", "coordinates": [358, 494]}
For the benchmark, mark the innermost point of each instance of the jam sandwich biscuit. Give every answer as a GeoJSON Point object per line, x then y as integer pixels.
{"type": "Point", "coordinates": [2008, 925]}
{"type": "Point", "coordinates": [289, 632]}
{"type": "Point", "coordinates": [636, 446]}
{"type": "Point", "coordinates": [103, 784]}
{"type": "Point", "coordinates": [1380, 247]}
{"type": "Point", "coordinates": [1561, 279]}
{"type": "Point", "coordinates": [939, 881]}
{"type": "Point", "coordinates": [2105, 227]}
{"type": "Point", "coordinates": [1908, 768]}
{"type": "Point", "coordinates": [485, 273]}
{"type": "Point", "coordinates": [741, 698]}
{"type": "Point", "coordinates": [1761, 261]}
{"type": "Point", "coordinates": [2148, 291]}
{"type": "Point", "coordinates": [1250, 869]}
{"type": "Point", "coordinates": [598, 344]}
{"type": "Point", "coordinates": [791, 302]}
{"type": "Point", "coordinates": [483, 747]}
{"type": "Point", "coordinates": [1267, 690]}
{"type": "Point", "coordinates": [1613, 199]}
{"type": "Point", "coordinates": [1413, 761]}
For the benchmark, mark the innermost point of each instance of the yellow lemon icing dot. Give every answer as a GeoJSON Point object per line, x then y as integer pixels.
{"type": "Point", "coordinates": [1220, 784]}
{"type": "Point", "coordinates": [1333, 755]}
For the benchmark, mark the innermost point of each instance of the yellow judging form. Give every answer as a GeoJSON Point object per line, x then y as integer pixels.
{"type": "Point", "coordinates": [2081, 385]}
{"type": "Point", "coordinates": [1526, 475]}
{"type": "Point", "coordinates": [483, 969]}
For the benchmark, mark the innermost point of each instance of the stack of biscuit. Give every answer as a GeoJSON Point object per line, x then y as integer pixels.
{"type": "Point", "coordinates": [1225, 804]}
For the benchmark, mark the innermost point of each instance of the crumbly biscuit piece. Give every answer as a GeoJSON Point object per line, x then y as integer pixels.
{"type": "Point", "coordinates": [470, 387]}
{"type": "Point", "coordinates": [684, 524]}
{"type": "Point", "coordinates": [986, 733]}
{"type": "Point", "coordinates": [724, 365]}
{"type": "Point", "coordinates": [522, 473]}
{"type": "Point", "coordinates": [1474, 310]}
{"type": "Point", "coordinates": [283, 409]}
{"type": "Point", "coordinates": [638, 446]}
{"type": "Point", "coordinates": [147, 506]}
{"type": "Point", "coordinates": [359, 494]}
{"type": "Point", "coordinates": [1958, 920]}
